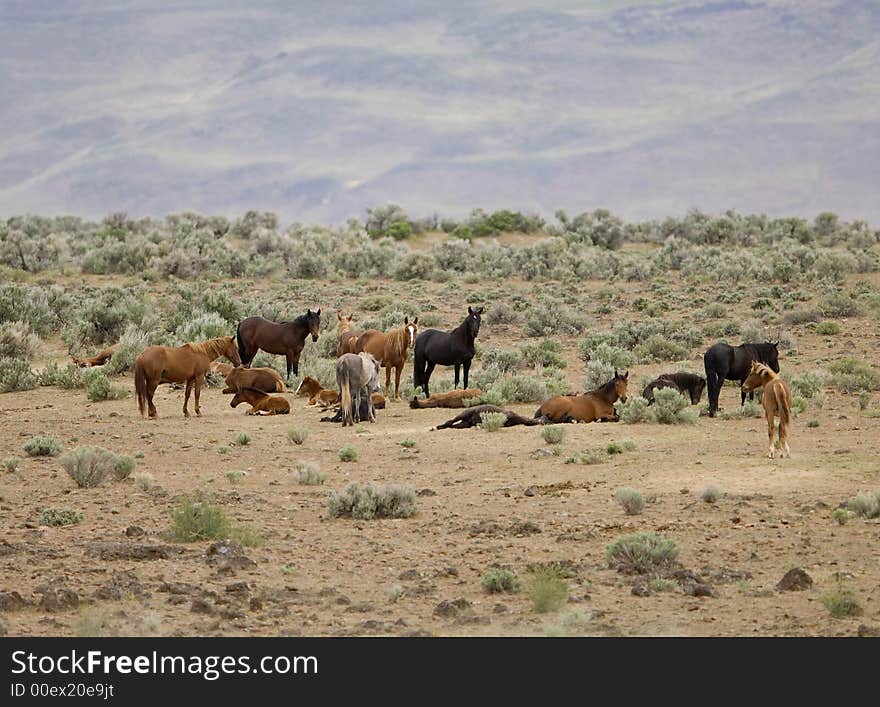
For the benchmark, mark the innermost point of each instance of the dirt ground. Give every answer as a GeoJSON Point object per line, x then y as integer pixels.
{"type": "Point", "coordinates": [482, 500]}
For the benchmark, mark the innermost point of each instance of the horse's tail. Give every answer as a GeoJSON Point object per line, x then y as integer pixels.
{"type": "Point", "coordinates": [140, 385]}
{"type": "Point", "coordinates": [420, 366]}
{"type": "Point", "coordinates": [240, 343]}
{"type": "Point", "coordinates": [713, 385]}
{"type": "Point", "coordinates": [782, 403]}
{"type": "Point", "coordinates": [345, 399]}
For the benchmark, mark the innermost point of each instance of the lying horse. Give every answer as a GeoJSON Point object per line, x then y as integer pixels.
{"type": "Point", "coordinates": [316, 392]}
{"type": "Point", "coordinates": [725, 362]}
{"type": "Point", "coordinates": [288, 338]}
{"type": "Point", "coordinates": [452, 399]}
{"type": "Point", "coordinates": [220, 368]}
{"type": "Point", "coordinates": [471, 417]}
{"type": "Point", "coordinates": [99, 359]}
{"type": "Point", "coordinates": [685, 383]}
{"type": "Point", "coordinates": [260, 402]}
{"type": "Point", "coordinates": [390, 350]}
{"type": "Point", "coordinates": [452, 348]}
{"type": "Point", "coordinates": [185, 364]}
{"type": "Point", "coordinates": [347, 337]}
{"type": "Point", "coordinates": [357, 376]}
{"type": "Point", "coordinates": [362, 413]}
{"type": "Point", "coordinates": [596, 405]}
{"type": "Point", "coordinates": [776, 403]}
{"type": "Point", "coordinates": [265, 379]}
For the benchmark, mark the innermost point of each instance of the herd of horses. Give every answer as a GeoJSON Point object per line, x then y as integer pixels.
{"type": "Point", "coordinates": [362, 354]}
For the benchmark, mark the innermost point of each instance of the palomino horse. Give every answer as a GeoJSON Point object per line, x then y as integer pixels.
{"type": "Point", "coordinates": [596, 405]}
{"type": "Point", "coordinates": [776, 403]}
{"type": "Point", "coordinates": [357, 376]}
{"type": "Point", "coordinates": [725, 362]}
{"type": "Point", "coordinates": [473, 416]}
{"type": "Point", "coordinates": [260, 402]}
{"type": "Point", "coordinates": [347, 337]}
{"type": "Point", "coordinates": [390, 350]}
{"type": "Point", "coordinates": [287, 338]}
{"type": "Point", "coordinates": [452, 399]}
{"type": "Point", "coordinates": [453, 348]}
{"type": "Point", "coordinates": [184, 364]}
{"type": "Point", "coordinates": [99, 359]}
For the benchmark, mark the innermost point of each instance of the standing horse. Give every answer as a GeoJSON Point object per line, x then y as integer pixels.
{"type": "Point", "coordinates": [184, 364]}
{"type": "Point", "coordinates": [390, 350]}
{"type": "Point", "coordinates": [346, 336]}
{"type": "Point", "coordinates": [725, 362]}
{"type": "Point", "coordinates": [288, 338]}
{"type": "Point", "coordinates": [776, 403]}
{"type": "Point", "coordinates": [453, 348]}
{"type": "Point", "coordinates": [357, 375]}
{"type": "Point", "coordinates": [596, 405]}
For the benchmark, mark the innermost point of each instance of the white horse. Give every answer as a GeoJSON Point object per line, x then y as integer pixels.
{"type": "Point", "coordinates": [356, 375]}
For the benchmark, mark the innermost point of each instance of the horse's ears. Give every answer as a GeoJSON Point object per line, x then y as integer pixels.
{"type": "Point", "coordinates": [318, 312]}
{"type": "Point", "coordinates": [351, 316]}
{"type": "Point", "coordinates": [470, 310]}
{"type": "Point", "coordinates": [416, 320]}
{"type": "Point", "coordinates": [626, 376]}
{"type": "Point", "coordinates": [480, 310]}
{"type": "Point", "coordinates": [405, 321]}
{"type": "Point", "coordinates": [616, 374]}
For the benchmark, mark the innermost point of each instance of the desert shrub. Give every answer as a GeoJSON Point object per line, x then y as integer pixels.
{"type": "Point", "coordinates": [492, 421]}
{"type": "Point", "coordinates": [658, 348]}
{"type": "Point", "coordinates": [408, 443]}
{"type": "Point", "coordinates": [520, 389]}
{"type": "Point", "coordinates": [145, 481]}
{"type": "Point", "coordinates": [102, 317]}
{"type": "Point", "coordinates": [243, 439]}
{"type": "Point", "coordinates": [804, 315]}
{"type": "Point", "coordinates": [203, 326]}
{"type": "Point", "coordinates": [865, 505]}
{"type": "Point", "coordinates": [841, 515]}
{"type": "Point", "coordinates": [489, 397]}
{"type": "Point", "coordinates": [195, 519]}
{"type": "Point", "coordinates": [753, 331]}
{"type": "Point", "coordinates": [610, 354]}
{"type": "Point", "coordinates": [641, 552]}
{"type": "Point", "coordinates": [131, 344]}
{"type": "Point", "coordinates": [672, 408]}
{"type": "Point", "coordinates": [501, 313]}
{"type": "Point", "coordinates": [297, 435]}
{"type": "Point", "coordinates": [10, 464]}
{"type": "Point", "coordinates": [545, 354]}
{"type": "Point", "coordinates": [308, 475]}
{"type": "Point", "coordinates": [69, 377]}
{"type": "Point", "coordinates": [632, 500]}
{"type": "Point", "coordinates": [89, 466]}
{"type": "Point", "coordinates": [501, 361]}
{"type": "Point", "coordinates": [367, 501]}
{"type": "Point", "coordinates": [58, 517]}
{"type": "Point", "coordinates": [827, 328]}
{"type": "Point", "coordinates": [598, 373]}
{"type": "Point", "coordinates": [31, 305]}
{"type": "Point", "coordinates": [864, 400]}
{"type": "Point", "coordinates": [850, 375]}
{"type": "Point", "coordinates": [629, 445]}
{"type": "Point", "coordinates": [42, 446]}
{"type": "Point", "coordinates": [548, 318]}
{"type": "Point", "coordinates": [589, 457]}
{"type": "Point", "coordinates": [497, 580]}
{"type": "Point", "coordinates": [838, 304]}
{"type": "Point", "coordinates": [711, 494]}
{"type": "Point", "coordinates": [807, 384]}
{"type": "Point", "coordinates": [546, 589]}
{"type": "Point", "coordinates": [634, 410]}
{"type": "Point", "coordinates": [98, 386]}
{"type": "Point", "coordinates": [841, 602]}
{"type": "Point", "coordinates": [15, 375]}
{"type": "Point", "coordinates": [122, 467]}
{"type": "Point", "coordinates": [348, 454]}
{"type": "Point", "coordinates": [17, 341]}
{"type": "Point", "coordinates": [574, 622]}
{"type": "Point", "coordinates": [798, 405]}
{"type": "Point", "coordinates": [553, 434]}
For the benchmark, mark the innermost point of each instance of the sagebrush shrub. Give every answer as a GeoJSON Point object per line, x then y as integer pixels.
{"type": "Point", "coordinates": [10, 464]}
{"type": "Point", "coordinates": [59, 517]}
{"type": "Point", "coordinates": [497, 580]}
{"type": "Point", "coordinates": [17, 341]}
{"type": "Point", "coordinates": [69, 377]}
{"type": "Point", "coordinates": [672, 408]}
{"type": "Point", "coordinates": [308, 475]}
{"type": "Point", "coordinates": [865, 505]}
{"type": "Point", "coordinates": [492, 421]}
{"type": "Point", "coordinates": [89, 466]}
{"type": "Point", "coordinates": [634, 410]}
{"type": "Point", "coordinates": [348, 454]}
{"type": "Point", "coordinates": [131, 344]}
{"type": "Point", "coordinates": [42, 446]}
{"type": "Point", "coordinates": [841, 602]}
{"type": "Point", "coordinates": [197, 519]}
{"type": "Point", "coordinates": [553, 434]}
{"type": "Point", "coordinates": [99, 387]}
{"type": "Point", "coordinates": [16, 375]}
{"type": "Point", "coordinates": [641, 552]}
{"type": "Point", "coordinates": [297, 435]}
{"type": "Point", "coordinates": [546, 589]}
{"type": "Point", "coordinates": [367, 501]}
{"type": "Point", "coordinates": [632, 500]}
{"type": "Point", "coordinates": [711, 494]}
{"type": "Point", "coordinates": [849, 375]}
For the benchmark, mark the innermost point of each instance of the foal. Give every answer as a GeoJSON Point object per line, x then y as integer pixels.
{"type": "Point", "coordinates": [776, 403]}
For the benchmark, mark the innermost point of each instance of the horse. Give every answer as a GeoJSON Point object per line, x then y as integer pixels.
{"type": "Point", "coordinates": [184, 364]}
{"type": "Point", "coordinates": [316, 392]}
{"type": "Point", "coordinates": [452, 399]}
{"type": "Point", "coordinates": [390, 350]}
{"type": "Point", "coordinates": [689, 383]}
{"type": "Point", "coordinates": [776, 402]}
{"type": "Point", "coordinates": [288, 338]}
{"type": "Point", "coordinates": [260, 402]}
{"type": "Point", "coordinates": [356, 374]}
{"type": "Point", "coordinates": [99, 359]}
{"type": "Point", "coordinates": [725, 362]}
{"type": "Point", "coordinates": [453, 348]}
{"type": "Point", "coordinates": [267, 380]}
{"type": "Point", "coordinates": [472, 417]}
{"type": "Point", "coordinates": [346, 336]}
{"type": "Point", "coordinates": [598, 404]}
{"type": "Point", "coordinates": [220, 368]}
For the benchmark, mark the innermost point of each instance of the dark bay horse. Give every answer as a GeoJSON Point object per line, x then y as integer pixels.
{"type": "Point", "coordinates": [453, 348]}
{"type": "Point", "coordinates": [725, 362]}
{"type": "Point", "coordinates": [287, 338]}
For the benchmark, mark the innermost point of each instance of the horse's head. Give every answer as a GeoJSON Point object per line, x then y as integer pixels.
{"type": "Point", "coordinates": [755, 379]}
{"type": "Point", "coordinates": [313, 320]}
{"type": "Point", "coordinates": [412, 328]}
{"type": "Point", "coordinates": [373, 367]}
{"type": "Point", "coordinates": [231, 351]}
{"type": "Point", "coordinates": [473, 321]}
{"type": "Point", "coordinates": [772, 355]}
{"type": "Point", "coordinates": [697, 391]}
{"type": "Point", "coordinates": [620, 383]}
{"type": "Point", "coordinates": [342, 322]}
{"type": "Point", "coordinates": [237, 399]}
{"type": "Point", "coordinates": [79, 362]}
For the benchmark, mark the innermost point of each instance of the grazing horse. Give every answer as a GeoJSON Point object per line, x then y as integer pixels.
{"type": "Point", "coordinates": [99, 359]}
{"type": "Point", "coordinates": [390, 350]}
{"type": "Point", "coordinates": [453, 348]}
{"type": "Point", "coordinates": [725, 362]}
{"type": "Point", "coordinates": [596, 405]}
{"type": "Point", "coordinates": [472, 416]}
{"type": "Point", "coordinates": [267, 380]}
{"type": "Point", "coordinates": [776, 403]}
{"type": "Point", "coordinates": [288, 338]}
{"type": "Point", "coordinates": [452, 399]}
{"type": "Point", "coordinates": [689, 383]}
{"type": "Point", "coordinates": [346, 336]}
{"type": "Point", "coordinates": [260, 402]}
{"type": "Point", "coordinates": [357, 376]}
{"type": "Point", "coordinates": [184, 364]}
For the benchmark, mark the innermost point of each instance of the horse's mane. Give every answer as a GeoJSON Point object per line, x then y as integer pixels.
{"type": "Point", "coordinates": [395, 343]}
{"type": "Point", "coordinates": [251, 389]}
{"type": "Point", "coordinates": [763, 369]}
{"type": "Point", "coordinates": [211, 347]}
{"type": "Point", "coordinates": [605, 388]}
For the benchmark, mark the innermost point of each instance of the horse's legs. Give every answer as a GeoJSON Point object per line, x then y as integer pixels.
{"type": "Point", "coordinates": [770, 435]}
{"type": "Point", "coordinates": [151, 391]}
{"type": "Point", "coordinates": [397, 372]}
{"type": "Point", "coordinates": [467, 367]}
{"type": "Point", "coordinates": [198, 383]}
{"type": "Point", "coordinates": [428, 371]}
{"type": "Point", "coordinates": [289, 359]}
{"type": "Point", "coordinates": [189, 385]}
{"type": "Point", "coordinates": [387, 383]}
{"type": "Point", "coordinates": [457, 368]}
{"type": "Point", "coordinates": [784, 449]}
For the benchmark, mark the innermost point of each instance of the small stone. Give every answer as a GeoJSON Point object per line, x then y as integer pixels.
{"type": "Point", "coordinates": [795, 580]}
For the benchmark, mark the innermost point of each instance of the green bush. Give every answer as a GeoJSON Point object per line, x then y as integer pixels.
{"type": "Point", "coordinates": [634, 410]}
{"type": "Point", "coordinates": [553, 434]}
{"type": "Point", "coordinates": [520, 389]}
{"type": "Point", "coordinates": [348, 454]}
{"type": "Point", "coordinates": [827, 328]}
{"type": "Point", "coordinates": [367, 502]}
{"type": "Point", "coordinates": [57, 517]}
{"type": "Point", "coordinates": [17, 341]}
{"type": "Point", "coordinates": [308, 475]}
{"type": "Point", "coordinates": [672, 408]}
{"type": "Point", "coordinates": [849, 375]}
{"type": "Point", "coordinates": [807, 384]}
{"type": "Point", "coordinates": [11, 464]}
{"type": "Point", "coordinates": [545, 354]}
{"type": "Point", "coordinates": [492, 421]}
{"type": "Point", "coordinates": [546, 590]}
{"type": "Point", "coordinates": [641, 552]}
{"type": "Point", "coordinates": [16, 375]}
{"type": "Point", "coordinates": [42, 446]}
{"type": "Point", "coordinates": [865, 505]}
{"type": "Point", "coordinates": [297, 435]}
{"type": "Point", "coordinates": [98, 386]}
{"type": "Point", "coordinates": [69, 377]}
{"type": "Point", "coordinates": [195, 519]}
{"type": "Point", "coordinates": [497, 580]}
{"type": "Point", "coordinates": [711, 494]}
{"type": "Point", "coordinates": [837, 304]}
{"type": "Point", "coordinates": [632, 500]}
{"type": "Point", "coordinates": [131, 345]}
{"type": "Point", "coordinates": [243, 439]}
{"type": "Point", "coordinates": [89, 466]}
{"type": "Point", "coordinates": [841, 602]}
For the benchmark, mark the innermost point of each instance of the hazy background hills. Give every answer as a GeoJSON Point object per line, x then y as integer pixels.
{"type": "Point", "coordinates": [317, 110]}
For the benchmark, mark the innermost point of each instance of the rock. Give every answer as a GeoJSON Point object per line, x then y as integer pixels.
{"type": "Point", "coordinates": [500, 609]}
{"type": "Point", "coordinates": [228, 556]}
{"type": "Point", "coordinates": [121, 585]}
{"type": "Point", "coordinates": [452, 609]}
{"type": "Point", "coordinates": [135, 531]}
{"type": "Point", "coordinates": [255, 604]}
{"type": "Point", "coordinates": [57, 598]}
{"type": "Point", "coordinates": [200, 606]}
{"type": "Point", "coordinates": [409, 575]}
{"type": "Point", "coordinates": [641, 590]}
{"type": "Point", "coordinates": [446, 572]}
{"type": "Point", "coordinates": [426, 492]}
{"type": "Point", "coordinates": [238, 588]}
{"type": "Point", "coordinates": [524, 527]}
{"type": "Point", "coordinates": [530, 491]}
{"type": "Point", "coordinates": [110, 551]}
{"type": "Point", "coordinates": [698, 590]}
{"type": "Point", "coordinates": [179, 588]}
{"type": "Point", "coordinates": [12, 601]}
{"type": "Point", "coordinates": [865, 631]}
{"type": "Point", "coordinates": [795, 580]}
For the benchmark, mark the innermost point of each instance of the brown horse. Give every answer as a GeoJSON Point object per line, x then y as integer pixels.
{"type": "Point", "coordinates": [260, 402]}
{"type": "Point", "coordinates": [183, 364]}
{"type": "Point", "coordinates": [776, 403]}
{"type": "Point", "coordinates": [99, 359]}
{"type": "Point", "coordinates": [316, 392]}
{"type": "Point", "coordinates": [347, 337]}
{"type": "Point", "coordinates": [596, 405]}
{"type": "Point", "coordinates": [220, 368]}
{"type": "Point", "coordinates": [266, 379]}
{"type": "Point", "coordinates": [287, 338]}
{"type": "Point", "coordinates": [452, 399]}
{"type": "Point", "coordinates": [390, 350]}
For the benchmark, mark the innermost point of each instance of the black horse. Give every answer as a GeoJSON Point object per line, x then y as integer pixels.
{"type": "Point", "coordinates": [725, 362]}
{"type": "Point", "coordinates": [453, 348]}
{"type": "Point", "coordinates": [472, 417]}
{"type": "Point", "coordinates": [683, 382]}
